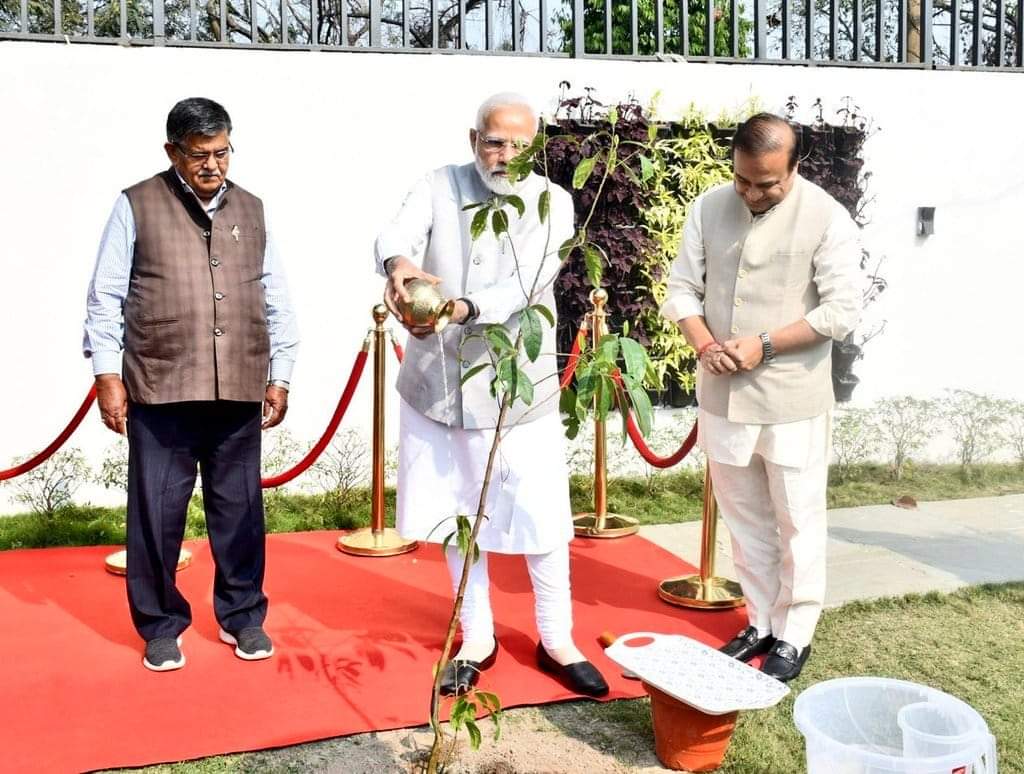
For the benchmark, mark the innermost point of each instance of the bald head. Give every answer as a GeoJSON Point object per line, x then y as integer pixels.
{"type": "Point", "coordinates": [765, 152]}
{"type": "Point", "coordinates": [767, 133]}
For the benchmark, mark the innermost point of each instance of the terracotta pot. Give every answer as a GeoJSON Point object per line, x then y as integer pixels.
{"type": "Point", "coordinates": [686, 739]}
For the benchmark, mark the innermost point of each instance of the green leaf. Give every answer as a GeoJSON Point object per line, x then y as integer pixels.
{"type": "Point", "coordinates": [605, 396]}
{"type": "Point", "coordinates": [613, 157]}
{"type": "Point", "coordinates": [533, 332]}
{"type": "Point", "coordinates": [499, 223]}
{"type": "Point", "coordinates": [652, 132]}
{"type": "Point", "coordinates": [474, 734]}
{"type": "Point", "coordinates": [476, 228]}
{"type": "Point", "coordinates": [473, 372]}
{"type": "Point", "coordinates": [646, 169]}
{"type": "Point", "coordinates": [585, 386]}
{"type": "Point", "coordinates": [545, 313]}
{"type": "Point", "coordinates": [613, 115]}
{"type": "Point", "coordinates": [488, 700]}
{"type": "Point", "coordinates": [447, 540]}
{"type": "Point", "coordinates": [634, 356]}
{"type": "Point", "coordinates": [567, 401]}
{"type": "Point", "coordinates": [642, 409]}
{"type": "Point", "coordinates": [566, 248]}
{"type": "Point", "coordinates": [473, 206]}
{"type": "Point", "coordinates": [583, 172]}
{"type": "Point", "coordinates": [498, 338]}
{"type": "Point", "coordinates": [608, 351]}
{"type": "Point", "coordinates": [516, 202]}
{"type": "Point", "coordinates": [572, 427]}
{"type": "Point", "coordinates": [525, 390]}
{"type": "Point", "coordinates": [595, 267]}
{"type": "Point", "coordinates": [508, 374]}
{"type": "Point", "coordinates": [544, 205]}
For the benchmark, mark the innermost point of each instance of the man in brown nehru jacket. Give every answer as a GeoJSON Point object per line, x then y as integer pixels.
{"type": "Point", "coordinates": [188, 284]}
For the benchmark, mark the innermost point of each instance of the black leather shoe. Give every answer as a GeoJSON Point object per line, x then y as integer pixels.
{"type": "Point", "coordinates": [746, 645]}
{"type": "Point", "coordinates": [784, 662]}
{"type": "Point", "coordinates": [462, 674]}
{"type": "Point", "coordinates": [580, 676]}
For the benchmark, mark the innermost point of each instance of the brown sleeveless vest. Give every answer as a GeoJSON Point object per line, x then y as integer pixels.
{"type": "Point", "coordinates": [195, 315]}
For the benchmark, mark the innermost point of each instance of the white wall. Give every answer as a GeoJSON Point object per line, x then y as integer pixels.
{"type": "Point", "coordinates": [332, 141]}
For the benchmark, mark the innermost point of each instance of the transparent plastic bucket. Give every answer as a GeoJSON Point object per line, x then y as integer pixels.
{"type": "Point", "coordinates": [873, 725]}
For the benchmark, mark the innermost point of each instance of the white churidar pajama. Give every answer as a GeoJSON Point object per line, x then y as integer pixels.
{"type": "Point", "coordinates": [442, 471]}
{"type": "Point", "coordinates": [770, 481]}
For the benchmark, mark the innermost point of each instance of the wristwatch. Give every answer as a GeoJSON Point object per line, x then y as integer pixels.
{"type": "Point", "coordinates": [474, 310]}
{"type": "Point", "coordinates": [767, 350]}
{"type": "Point", "coordinates": [278, 383]}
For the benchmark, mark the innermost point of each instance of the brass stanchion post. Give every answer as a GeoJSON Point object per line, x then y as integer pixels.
{"type": "Point", "coordinates": [377, 540]}
{"type": "Point", "coordinates": [705, 590]}
{"type": "Point", "coordinates": [600, 523]}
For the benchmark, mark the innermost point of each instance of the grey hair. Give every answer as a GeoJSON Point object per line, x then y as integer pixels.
{"type": "Point", "coordinates": [196, 115]}
{"type": "Point", "coordinates": [503, 99]}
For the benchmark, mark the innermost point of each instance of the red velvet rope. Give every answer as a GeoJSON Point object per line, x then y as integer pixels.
{"type": "Point", "coordinates": [59, 441]}
{"type": "Point", "coordinates": [399, 352]}
{"type": "Point", "coordinates": [652, 458]}
{"type": "Point", "coordinates": [332, 428]}
{"type": "Point", "coordinates": [645, 451]}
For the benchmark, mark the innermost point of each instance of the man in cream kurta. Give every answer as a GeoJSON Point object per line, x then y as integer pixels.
{"type": "Point", "coordinates": [767, 276]}
{"type": "Point", "coordinates": [447, 427]}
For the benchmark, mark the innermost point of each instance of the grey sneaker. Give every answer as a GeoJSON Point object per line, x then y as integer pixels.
{"type": "Point", "coordinates": [251, 643]}
{"type": "Point", "coordinates": [163, 655]}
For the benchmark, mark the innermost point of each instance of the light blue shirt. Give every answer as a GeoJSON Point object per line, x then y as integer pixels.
{"type": "Point", "coordinates": [104, 322]}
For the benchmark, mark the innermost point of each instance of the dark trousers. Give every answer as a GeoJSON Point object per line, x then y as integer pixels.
{"type": "Point", "coordinates": [166, 443]}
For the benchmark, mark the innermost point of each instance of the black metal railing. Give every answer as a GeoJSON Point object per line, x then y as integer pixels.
{"type": "Point", "coordinates": [899, 33]}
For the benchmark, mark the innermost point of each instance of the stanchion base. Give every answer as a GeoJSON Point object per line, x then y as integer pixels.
{"type": "Point", "coordinates": [690, 591]}
{"type": "Point", "coordinates": [117, 562]}
{"type": "Point", "coordinates": [615, 526]}
{"type": "Point", "coordinates": [364, 542]}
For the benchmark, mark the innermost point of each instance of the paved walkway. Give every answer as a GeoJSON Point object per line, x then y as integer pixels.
{"type": "Point", "coordinates": [882, 550]}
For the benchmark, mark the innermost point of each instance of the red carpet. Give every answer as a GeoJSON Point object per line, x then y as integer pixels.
{"type": "Point", "coordinates": [355, 641]}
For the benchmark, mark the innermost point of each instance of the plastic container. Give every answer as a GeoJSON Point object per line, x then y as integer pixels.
{"type": "Point", "coordinates": [873, 725]}
{"type": "Point", "coordinates": [686, 739]}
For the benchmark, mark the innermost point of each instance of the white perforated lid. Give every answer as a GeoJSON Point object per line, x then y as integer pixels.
{"type": "Point", "coordinates": [695, 674]}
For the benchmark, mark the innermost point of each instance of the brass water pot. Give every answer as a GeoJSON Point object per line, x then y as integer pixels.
{"type": "Point", "coordinates": [426, 306]}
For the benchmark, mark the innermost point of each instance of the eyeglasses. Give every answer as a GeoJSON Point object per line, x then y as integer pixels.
{"type": "Point", "coordinates": [200, 157]}
{"type": "Point", "coordinates": [496, 144]}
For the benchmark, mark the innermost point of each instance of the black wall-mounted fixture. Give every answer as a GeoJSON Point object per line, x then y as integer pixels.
{"type": "Point", "coordinates": [925, 221]}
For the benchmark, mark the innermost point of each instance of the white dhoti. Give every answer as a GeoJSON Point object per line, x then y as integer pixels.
{"type": "Point", "coordinates": [441, 473]}
{"type": "Point", "coordinates": [770, 483]}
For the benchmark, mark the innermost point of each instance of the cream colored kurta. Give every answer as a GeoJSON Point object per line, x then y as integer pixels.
{"type": "Point", "coordinates": [766, 433]}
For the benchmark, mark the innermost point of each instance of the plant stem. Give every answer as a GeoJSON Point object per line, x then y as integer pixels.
{"type": "Point", "coordinates": [435, 699]}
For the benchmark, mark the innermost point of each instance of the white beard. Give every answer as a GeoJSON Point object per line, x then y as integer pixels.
{"type": "Point", "coordinates": [498, 184]}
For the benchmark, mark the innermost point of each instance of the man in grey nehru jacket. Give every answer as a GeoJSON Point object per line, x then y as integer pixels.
{"type": "Point", "coordinates": [446, 427]}
{"type": "Point", "coordinates": [188, 285]}
{"type": "Point", "coordinates": [767, 276]}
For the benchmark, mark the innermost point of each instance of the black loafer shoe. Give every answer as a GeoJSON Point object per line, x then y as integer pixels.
{"type": "Point", "coordinates": [462, 674]}
{"type": "Point", "coordinates": [784, 662]}
{"type": "Point", "coordinates": [746, 645]}
{"type": "Point", "coordinates": [581, 676]}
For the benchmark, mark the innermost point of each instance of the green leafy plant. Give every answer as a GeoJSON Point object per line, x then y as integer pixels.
{"type": "Point", "coordinates": [907, 424]}
{"type": "Point", "coordinates": [609, 376]}
{"type": "Point", "coordinates": [49, 488]}
{"type": "Point", "coordinates": [976, 423]}
{"type": "Point", "coordinates": [855, 437]}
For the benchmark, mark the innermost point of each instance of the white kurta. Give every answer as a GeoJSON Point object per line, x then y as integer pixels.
{"type": "Point", "coordinates": [441, 470]}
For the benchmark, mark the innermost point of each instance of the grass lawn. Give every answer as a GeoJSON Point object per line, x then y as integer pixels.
{"type": "Point", "coordinates": [962, 643]}
{"type": "Point", "coordinates": [669, 497]}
